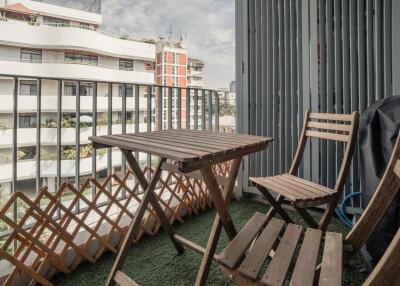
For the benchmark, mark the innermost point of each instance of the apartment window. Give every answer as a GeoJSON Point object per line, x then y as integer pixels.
{"type": "Point", "coordinates": [81, 59]}
{"type": "Point", "coordinates": [174, 57]}
{"type": "Point", "coordinates": [87, 89]}
{"type": "Point", "coordinates": [173, 70]}
{"type": "Point", "coordinates": [28, 87]}
{"type": "Point", "coordinates": [165, 69]}
{"type": "Point", "coordinates": [129, 90]}
{"type": "Point", "coordinates": [70, 88]}
{"type": "Point", "coordinates": [32, 56]}
{"type": "Point", "coordinates": [85, 26]}
{"type": "Point", "coordinates": [126, 65]}
{"type": "Point", "coordinates": [49, 21]}
{"type": "Point", "coordinates": [27, 121]}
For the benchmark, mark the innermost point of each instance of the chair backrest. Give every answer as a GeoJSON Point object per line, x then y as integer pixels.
{"type": "Point", "coordinates": [384, 195]}
{"type": "Point", "coordinates": [329, 126]}
{"type": "Point", "coordinates": [386, 272]}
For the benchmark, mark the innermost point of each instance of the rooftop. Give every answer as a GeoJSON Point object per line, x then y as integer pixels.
{"type": "Point", "coordinates": [58, 11]}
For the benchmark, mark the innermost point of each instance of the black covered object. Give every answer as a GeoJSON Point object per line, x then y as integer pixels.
{"type": "Point", "coordinates": [379, 127]}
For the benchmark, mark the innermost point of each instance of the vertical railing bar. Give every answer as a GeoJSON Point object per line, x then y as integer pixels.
{"type": "Point", "coordinates": [387, 44]}
{"type": "Point", "coordinates": [346, 76]}
{"type": "Point", "coordinates": [361, 48]}
{"type": "Point", "coordinates": [196, 109]}
{"type": "Point", "coordinates": [38, 133]}
{"type": "Point", "coordinates": [354, 85]}
{"type": "Point", "coordinates": [179, 108]}
{"type": "Point", "coordinates": [250, 120]}
{"type": "Point", "coordinates": [169, 108]}
{"type": "Point", "coordinates": [160, 107]}
{"type": "Point", "coordinates": [77, 139]}
{"type": "Point", "coordinates": [314, 100]}
{"type": "Point", "coordinates": [15, 150]}
{"type": "Point", "coordinates": [378, 48]}
{"type": "Point", "coordinates": [322, 84]}
{"type": "Point", "coordinates": [288, 81]}
{"type": "Point", "coordinates": [210, 110]}
{"type": "Point", "coordinates": [59, 118]}
{"type": "Point", "coordinates": [137, 118]}
{"type": "Point", "coordinates": [149, 117]}
{"type": "Point", "coordinates": [338, 79]}
{"type": "Point", "coordinates": [123, 126]}
{"type": "Point", "coordinates": [216, 111]}
{"type": "Point", "coordinates": [109, 132]}
{"type": "Point", "coordinates": [370, 52]}
{"type": "Point", "coordinates": [300, 73]}
{"type": "Point", "coordinates": [293, 78]}
{"type": "Point", "coordinates": [94, 133]}
{"type": "Point", "coordinates": [203, 109]}
{"type": "Point", "coordinates": [15, 136]}
{"type": "Point", "coordinates": [264, 89]}
{"type": "Point", "coordinates": [331, 166]}
{"type": "Point", "coordinates": [269, 92]}
{"type": "Point", "coordinates": [275, 82]}
{"type": "Point", "coordinates": [282, 102]}
{"type": "Point", "coordinates": [188, 92]}
{"type": "Point", "coordinates": [257, 80]}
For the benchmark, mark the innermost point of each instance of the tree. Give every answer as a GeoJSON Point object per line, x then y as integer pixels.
{"type": "Point", "coordinates": [227, 109]}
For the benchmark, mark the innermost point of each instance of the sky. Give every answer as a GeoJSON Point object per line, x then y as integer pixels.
{"type": "Point", "coordinates": [208, 28]}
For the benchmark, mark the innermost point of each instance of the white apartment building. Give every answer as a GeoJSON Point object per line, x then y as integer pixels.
{"type": "Point", "coordinates": [195, 73]}
{"type": "Point", "coordinates": [39, 40]}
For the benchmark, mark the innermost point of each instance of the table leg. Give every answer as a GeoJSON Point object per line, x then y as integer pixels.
{"type": "Point", "coordinates": [217, 225]}
{"type": "Point", "coordinates": [133, 229]}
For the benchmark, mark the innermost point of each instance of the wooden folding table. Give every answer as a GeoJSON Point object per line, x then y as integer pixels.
{"type": "Point", "coordinates": [191, 151]}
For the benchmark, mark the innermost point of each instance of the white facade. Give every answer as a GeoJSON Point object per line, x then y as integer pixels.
{"type": "Point", "coordinates": [195, 73]}
{"type": "Point", "coordinates": [63, 43]}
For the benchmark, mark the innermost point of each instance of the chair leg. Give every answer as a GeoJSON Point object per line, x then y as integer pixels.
{"type": "Point", "coordinates": [307, 217]}
{"type": "Point", "coordinates": [275, 205]}
{"type": "Point", "coordinates": [327, 216]}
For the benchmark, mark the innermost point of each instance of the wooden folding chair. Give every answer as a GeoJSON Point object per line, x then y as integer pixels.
{"type": "Point", "coordinates": [273, 245]}
{"type": "Point", "coordinates": [303, 193]}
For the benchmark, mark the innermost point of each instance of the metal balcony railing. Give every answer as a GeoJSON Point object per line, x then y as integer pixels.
{"type": "Point", "coordinates": [166, 108]}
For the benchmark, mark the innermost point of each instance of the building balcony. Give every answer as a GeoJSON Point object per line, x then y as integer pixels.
{"type": "Point", "coordinates": [54, 70]}
{"type": "Point", "coordinates": [72, 38]}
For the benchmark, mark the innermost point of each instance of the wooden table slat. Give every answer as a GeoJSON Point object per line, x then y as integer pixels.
{"type": "Point", "coordinates": [114, 142]}
{"type": "Point", "coordinates": [223, 134]}
{"type": "Point", "coordinates": [185, 145]}
{"type": "Point", "coordinates": [150, 143]}
{"type": "Point", "coordinates": [245, 139]}
{"type": "Point", "coordinates": [176, 143]}
{"type": "Point", "coordinates": [189, 139]}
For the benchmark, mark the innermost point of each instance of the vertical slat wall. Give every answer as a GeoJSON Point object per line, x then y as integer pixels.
{"type": "Point", "coordinates": [333, 56]}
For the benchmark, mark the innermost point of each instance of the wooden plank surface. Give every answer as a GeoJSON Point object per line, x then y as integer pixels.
{"type": "Point", "coordinates": [276, 271]}
{"type": "Point", "coordinates": [304, 271]}
{"type": "Point", "coordinates": [254, 260]}
{"type": "Point", "coordinates": [122, 279]}
{"type": "Point", "coordinates": [396, 169]}
{"type": "Point", "coordinates": [182, 145]}
{"type": "Point", "coordinates": [331, 268]}
{"type": "Point", "coordinates": [235, 250]}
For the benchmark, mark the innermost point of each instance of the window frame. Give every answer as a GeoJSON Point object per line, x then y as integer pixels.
{"type": "Point", "coordinates": [34, 55]}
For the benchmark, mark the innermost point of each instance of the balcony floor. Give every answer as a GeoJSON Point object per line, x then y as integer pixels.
{"type": "Point", "coordinates": [153, 260]}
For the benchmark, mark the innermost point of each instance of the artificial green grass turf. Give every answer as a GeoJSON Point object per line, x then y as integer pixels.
{"type": "Point", "coordinates": [153, 261]}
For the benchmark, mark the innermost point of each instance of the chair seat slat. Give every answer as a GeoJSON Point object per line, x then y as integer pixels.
{"type": "Point", "coordinates": [304, 271]}
{"type": "Point", "coordinates": [331, 268]}
{"type": "Point", "coordinates": [276, 271]}
{"type": "Point", "coordinates": [232, 254]}
{"type": "Point", "coordinates": [253, 262]}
